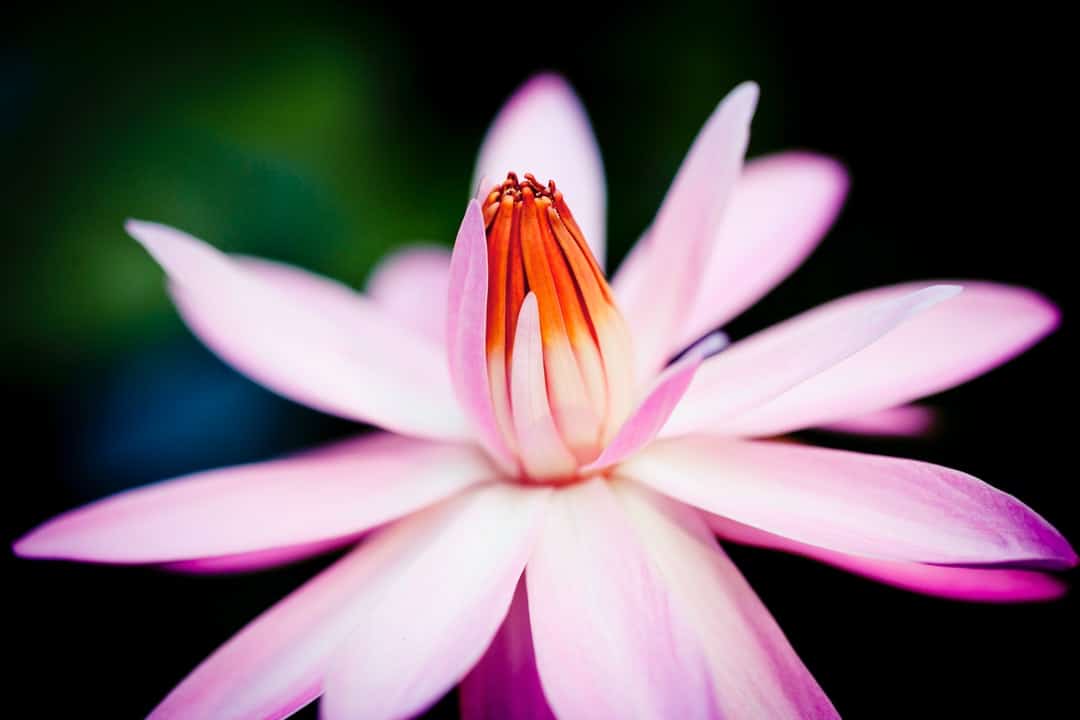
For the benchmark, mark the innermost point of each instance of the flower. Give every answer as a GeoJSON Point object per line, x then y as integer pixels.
{"type": "Point", "coordinates": [542, 514]}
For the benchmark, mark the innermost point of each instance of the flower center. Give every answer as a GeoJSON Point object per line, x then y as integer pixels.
{"type": "Point", "coordinates": [535, 247]}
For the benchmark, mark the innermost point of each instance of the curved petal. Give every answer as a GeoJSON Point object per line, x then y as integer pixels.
{"type": "Point", "coordinates": [412, 286]}
{"type": "Point", "coordinates": [983, 327]}
{"type": "Point", "coordinates": [754, 670]}
{"type": "Point", "coordinates": [540, 446]}
{"type": "Point", "coordinates": [259, 559]}
{"type": "Point", "coordinates": [899, 421]}
{"type": "Point", "coordinates": [543, 129]}
{"type": "Point", "coordinates": [608, 642]}
{"type": "Point", "coordinates": [277, 664]}
{"type": "Point", "coordinates": [318, 496]}
{"type": "Point", "coordinates": [763, 366]}
{"type": "Point", "coordinates": [505, 684]}
{"type": "Point", "coordinates": [337, 353]}
{"type": "Point", "coordinates": [974, 584]}
{"type": "Point", "coordinates": [882, 507]}
{"type": "Point", "coordinates": [466, 332]}
{"type": "Point", "coordinates": [655, 409]}
{"type": "Point", "coordinates": [781, 207]}
{"type": "Point", "coordinates": [680, 240]}
{"type": "Point", "coordinates": [426, 621]}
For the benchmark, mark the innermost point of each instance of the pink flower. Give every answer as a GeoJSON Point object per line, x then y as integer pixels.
{"type": "Point", "coordinates": [542, 521]}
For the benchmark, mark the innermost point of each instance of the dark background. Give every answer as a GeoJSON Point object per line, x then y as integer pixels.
{"type": "Point", "coordinates": [329, 135]}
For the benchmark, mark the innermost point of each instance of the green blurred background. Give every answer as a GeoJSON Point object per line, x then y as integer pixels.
{"type": "Point", "coordinates": [327, 134]}
{"type": "Point", "coordinates": [322, 138]}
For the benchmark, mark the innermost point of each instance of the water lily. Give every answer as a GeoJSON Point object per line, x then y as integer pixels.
{"type": "Point", "coordinates": [539, 522]}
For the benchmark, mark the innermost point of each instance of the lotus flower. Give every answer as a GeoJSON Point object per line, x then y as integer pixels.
{"type": "Point", "coordinates": [539, 522]}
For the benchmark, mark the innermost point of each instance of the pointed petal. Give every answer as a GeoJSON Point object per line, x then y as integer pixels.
{"type": "Point", "coordinates": [608, 643]}
{"type": "Point", "coordinates": [754, 670]}
{"type": "Point", "coordinates": [412, 285]}
{"type": "Point", "coordinates": [882, 507]}
{"type": "Point", "coordinates": [983, 327]}
{"type": "Point", "coordinates": [756, 370]}
{"type": "Point", "coordinates": [781, 207]}
{"type": "Point", "coordinates": [540, 446]}
{"type": "Point", "coordinates": [973, 584]}
{"type": "Point", "coordinates": [427, 619]}
{"type": "Point", "coordinates": [277, 664]}
{"type": "Point", "coordinates": [505, 684]}
{"type": "Point", "coordinates": [681, 238]}
{"type": "Point", "coordinates": [466, 324]}
{"type": "Point", "coordinates": [325, 347]}
{"type": "Point", "coordinates": [543, 129]}
{"type": "Point", "coordinates": [899, 421]}
{"type": "Point", "coordinates": [318, 496]}
{"type": "Point", "coordinates": [653, 412]}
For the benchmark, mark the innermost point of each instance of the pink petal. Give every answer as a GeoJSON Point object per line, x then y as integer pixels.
{"type": "Point", "coordinates": [540, 446]}
{"type": "Point", "coordinates": [899, 421]}
{"type": "Point", "coordinates": [466, 332]}
{"type": "Point", "coordinates": [311, 340]}
{"type": "Point", "coordinates": [781, 207]}
{"type": "Point", "coordinates": [543, 129]}
{"type": "Point", "coordinates": [680, 240]}
{"type": "Point", "coordinates": [427, 618]}
{"type": "Point", "coordinates": [412, 285]}
{"type": "Point", "coordinates": [321, 295]}
{"type": "Point", "coordinates": [259, 559]}
{"type": "Point", "coordinates": [763, 366]}
{"type": "Point", "coordinates": [753, 669]}
{"type": "Point", "coordinates": [882, 507]}
{"type": "Point", "coordinates": [959, 340]}
{"type": "Point", "coordinates": [608, 642]}
{"type": "Point", "coordinates": [277, 664]}
{"type": "Point", "coordinates": [957, 583]}
{"type": "Point", "coordinates": [315, 497]}
{"type": "Point", "coordinates": [780, 210]}
{"type": "Point", "coordinates": [505, 684]}
{"type": "Point", "coordinates": [651, 414]}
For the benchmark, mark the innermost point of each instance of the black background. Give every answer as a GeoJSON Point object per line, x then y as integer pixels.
{"type": "Point", "coordinates": [958, 131]}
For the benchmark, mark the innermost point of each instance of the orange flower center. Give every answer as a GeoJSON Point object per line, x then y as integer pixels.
{"type": "Point", "coordinates": [534, 245]}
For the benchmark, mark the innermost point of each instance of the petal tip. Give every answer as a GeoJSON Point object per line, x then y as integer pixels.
{"type": "Point", "coordinates": [543, 82]}
{"type": "Point", "coordinates": [543, 87]}
{"type": "Point", "coordinates": [746, 93]}
{"type": "Point", "coordinates": [1046, 313]}
{"type": "Point", "coordinates": [1068, 557]}
{"type": "Point", "coordinates": [1037, 314]}
{"type": "Point", "coordinates": [23, 547]}
{"type": "Point", "coordinates": [161, 241]}
{"type": "Point", "coordinates": [831, 168]}
{"type": "Point", "coordinates": [35, 545]}
{"type": "Point", "coordinates": [472, 228]}
{"type": "Point", "coordinates": [143, 231]}
{"type": "Point", "coordinates": [1052, 552]}
{"type": "Point", "coordinates": [1052, 588]}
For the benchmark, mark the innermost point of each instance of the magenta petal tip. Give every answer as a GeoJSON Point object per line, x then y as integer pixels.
{"type": "Point", "coordinates": [23, 547]}
{"type": "Point", "coordinates": [39, 543]}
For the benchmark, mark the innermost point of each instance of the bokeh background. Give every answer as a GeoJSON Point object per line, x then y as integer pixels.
{"type": "Point", "coordinates": [326, 135]}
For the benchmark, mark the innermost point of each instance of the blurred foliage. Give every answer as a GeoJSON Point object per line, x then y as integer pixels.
{"type": "Point", "coordinates": [319, 138]}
